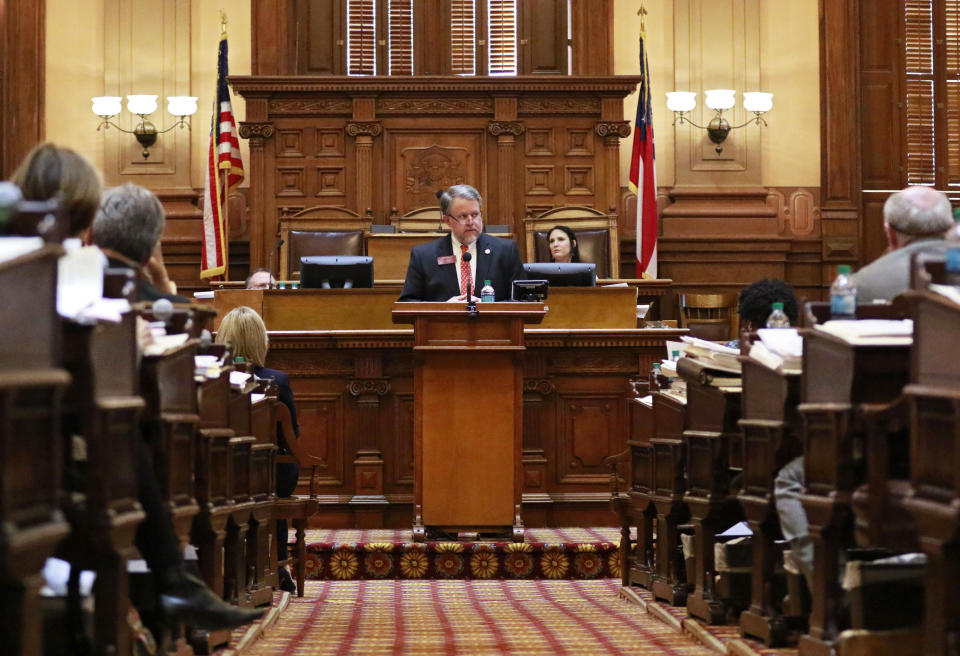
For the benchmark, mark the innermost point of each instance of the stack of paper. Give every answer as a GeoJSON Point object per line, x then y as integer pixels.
{"type": "Point", "coordinates": [879, 332]}
{"type": "Point", "coordinates": [780, 349]}
{"type": "Point", "coordinates": [714, 355]}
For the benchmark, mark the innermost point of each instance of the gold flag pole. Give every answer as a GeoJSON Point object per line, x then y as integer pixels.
{"type": "Point", "coordinates": [642, 13]}
{"type": "Point", "coordinates": [225, 209]}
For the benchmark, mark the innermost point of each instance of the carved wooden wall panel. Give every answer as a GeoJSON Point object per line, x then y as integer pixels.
{"type": "Point", "coordinates": [588, 425]}
{"type": "Point", "coordinates": [321, 419]}
{"type": "Point", "coordinates": [527, 143]}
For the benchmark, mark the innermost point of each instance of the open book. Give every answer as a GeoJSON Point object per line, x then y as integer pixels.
{"type": "Point", "coordinates": [780, 349]}
{"type": "Point", "coordinates": [867, 332]}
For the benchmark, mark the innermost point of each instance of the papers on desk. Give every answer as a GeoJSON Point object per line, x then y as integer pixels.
{"type": "Point", "coordinates": [712, 355]}
{"type": "Point", "coordinates": [256, 398]}
{"type": "Point", "coordinates": [239, 379]}
{"type": "Point", "coordinates": [80, 280]}
{"type": "Point", "coordinates": [13, 247]}
{"type": "Point", "coordinates": [780, 349]}
{"type": "Point", "coordinates": [870, 332]}
{"type": "Point", "coordinates": [203, 296]}
{"type": "Point", "coordinates": [951, 292]}
{"type": "Point", "coordinates": [163, 343]}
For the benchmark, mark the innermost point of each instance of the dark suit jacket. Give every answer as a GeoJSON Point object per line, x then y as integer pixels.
{"type": "Point", "coordinates": [429, 281]}
{"type": "Point", "coordinates": [145, 289]}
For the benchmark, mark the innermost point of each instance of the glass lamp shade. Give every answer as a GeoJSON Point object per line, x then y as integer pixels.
{"type": "Point", "coordinates": [681, 101]}
{"type": "Point", "coordinates": [757, 101]}
{"type": "Point", "coordinates": [104, 106]}
{"type": "Point", "coordinates": [182, 105]}
{"type": "Point", "coordinates": [141, 104]}
{"type": "Point", "coordinates": [720, 98]}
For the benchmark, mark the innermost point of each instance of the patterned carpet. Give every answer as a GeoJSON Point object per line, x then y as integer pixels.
{"type": "Point", "coordinates": [566, 553]}
{"type": "Point", "coordinates": [476, 618]}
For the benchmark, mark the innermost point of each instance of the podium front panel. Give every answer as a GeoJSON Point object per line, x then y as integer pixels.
{"type": "Point", "coordinates": [468, 449]}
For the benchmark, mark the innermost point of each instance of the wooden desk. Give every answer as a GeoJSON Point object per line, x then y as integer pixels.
{"type": "Point", "coordinates": [369, 309]}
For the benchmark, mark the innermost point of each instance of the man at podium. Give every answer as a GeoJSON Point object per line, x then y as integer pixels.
{"type": "Point", "coordinates": [441, 270]}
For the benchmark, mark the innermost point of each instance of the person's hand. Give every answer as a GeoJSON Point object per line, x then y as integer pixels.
{"type": "Point", "coordinates": [462, 298]}
{"type": "Point", "coordinates": [156, 271]}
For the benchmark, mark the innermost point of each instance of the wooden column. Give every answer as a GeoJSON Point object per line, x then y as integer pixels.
{"type": "Point", "coordinates": [261, 237]}
{"type": "Point", "coordinates": [839, 134]}
{"type": "Point", "coordinates": [364, 133]}
{"type": "Point", "coordinates": [22, 60]}
{"type": "Point", "coordinates": [369, 386]}
{"type": "Point", "coordinates": [612, 132]}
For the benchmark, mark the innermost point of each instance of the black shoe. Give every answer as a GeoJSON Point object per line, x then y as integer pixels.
{"type": "Point", "coordinates": [186, 599]}
{"type": "Point", "coordinates": [439, 535]}
{"type": "Point", "coordinates": [286, 582]}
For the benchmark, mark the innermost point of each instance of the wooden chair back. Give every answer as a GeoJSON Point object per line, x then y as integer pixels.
{"type": "Point", "coordinates": [709, 316]}
{"type": "Point", "coordinates": [319, 231]}
{"type": "Point", "coordinates": [422, 219]}
{"type": "Point", "coordinates": [597, 236]}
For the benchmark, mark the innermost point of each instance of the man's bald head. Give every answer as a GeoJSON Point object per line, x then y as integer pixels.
{"type": "Point", "coordinates": [916, 212]}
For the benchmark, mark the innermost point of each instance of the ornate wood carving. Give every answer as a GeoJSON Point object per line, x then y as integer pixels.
{"type": "Point", "coordinates": [619, 129]}
{"type": "Point", "coordinates": [435, 105]}
{"type": "Point", "coordinates": [365, 388]}
{"type": "Point", "coordinates": [367, 129]}
{"type": "Point", "coordinates": [249, 130]}
{"type": "Point", "coordinates": [541, 386]}
{"type": "Point", "coordinates": [293, 106]}
{"type": "Point", "coordinates": [558, 105]}
{"type": "Point", "coordinates": [496, 128]}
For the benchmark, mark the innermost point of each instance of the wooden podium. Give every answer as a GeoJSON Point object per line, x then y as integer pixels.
{"type": "Point", "coordinates": [468, 420]}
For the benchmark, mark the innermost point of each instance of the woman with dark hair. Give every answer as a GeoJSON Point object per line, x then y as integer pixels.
{"type": "Point", "coordinates": [563, 244]}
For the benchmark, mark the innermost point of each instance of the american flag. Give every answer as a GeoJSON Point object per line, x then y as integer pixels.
{"type": "Point", "coordinates": [643, 175]}
{"type": "Point", "coordinates": [223, 155]}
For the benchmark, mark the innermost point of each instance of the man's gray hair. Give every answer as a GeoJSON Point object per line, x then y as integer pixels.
{"type": "Point", "coordinates": [918, 212]}
{"type": "Point", "coordinates": [458, 191]}
{"type": "Point", "coordinates": [130, 221]}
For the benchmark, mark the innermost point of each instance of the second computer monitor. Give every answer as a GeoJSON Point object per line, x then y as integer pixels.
{"type": "Point", "coordinates": [336, 271]}
{"type": "Point", "coordinates": [563, 274]}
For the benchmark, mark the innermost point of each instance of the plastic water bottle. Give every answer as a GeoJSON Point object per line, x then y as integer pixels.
{"type": "Point", "coordinates": [654, 383]}
{"type": "Point", "coordinates": [487, 295]}
{"type": "Point", "coordinates": [843, 295]}
{"type": "Point", "coordinates": [778, 318]}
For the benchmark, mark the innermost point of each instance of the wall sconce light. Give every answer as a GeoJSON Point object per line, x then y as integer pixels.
{"type": "Point", "coordinates": [107, 108]}
{"type": "Point", "coordinates": [681, 102]}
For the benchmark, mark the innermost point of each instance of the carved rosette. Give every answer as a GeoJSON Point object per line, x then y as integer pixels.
{"type": "Point", "coordinates": [542, 386]}
{"type": "Point", "coordinates": [368, 129]}
{"type": "Point", "coordinates": [619, 129]}
{"type": "Point", "coordinates": [255, 130]}
{"type": "Point", "coordinates": [496, 128]}
{"type": "Point", "coordinates": [369, 386]}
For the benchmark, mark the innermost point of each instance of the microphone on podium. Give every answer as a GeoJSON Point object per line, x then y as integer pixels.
{"type": "Point", "coordinates": [471, 304]}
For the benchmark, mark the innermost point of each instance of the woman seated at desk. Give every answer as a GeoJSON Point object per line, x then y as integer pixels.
{"type": "Point", "coordinates": [563, 244]}
{"type": "Point", "coordinates": [244, 330]}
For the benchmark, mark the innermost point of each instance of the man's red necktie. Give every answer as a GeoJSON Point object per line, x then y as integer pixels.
{"type": "Point", "coordinates": [464, 269]}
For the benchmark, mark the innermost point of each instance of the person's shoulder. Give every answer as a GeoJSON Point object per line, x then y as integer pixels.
{"type": "Point", "coordinates": [430, 246]}
{"type": "Point", "coordinates": [491, 241]}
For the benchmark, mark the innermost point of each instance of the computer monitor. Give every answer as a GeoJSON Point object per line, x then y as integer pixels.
{"type": "Point", "coordinates": [563, 274]}
{"type": "Point", "coordinates": [336, 271]}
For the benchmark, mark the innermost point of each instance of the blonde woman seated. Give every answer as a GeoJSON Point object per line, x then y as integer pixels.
{"type": "Point", "coordinates": [563, 244]}
{"type": "Point", "coordinates": [244, 331]}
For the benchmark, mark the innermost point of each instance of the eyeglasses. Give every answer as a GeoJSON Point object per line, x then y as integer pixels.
{"type": "Point", "coordinates": [472, 217]}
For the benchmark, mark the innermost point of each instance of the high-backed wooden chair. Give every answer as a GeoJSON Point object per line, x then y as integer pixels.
{"type": "Point", "coordinates": [319, 231]}
{"type": "Point", "coordinates": [296, 509]}
{"type": "Point", "coordinates": [422, 219]}
{"type": "Point", "coordinates": [597, 236]}
{"type": "Point", "coordinates": [709, 316]}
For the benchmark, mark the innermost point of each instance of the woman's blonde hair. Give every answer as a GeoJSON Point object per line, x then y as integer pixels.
{"type": "Point", "coordinates": [245, 332]}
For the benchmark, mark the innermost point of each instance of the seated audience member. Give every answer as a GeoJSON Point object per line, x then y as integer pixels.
{"type": "Point", "coordinates": [46, 171]}
{"type": "Point", "coordinates": [563, 245]}
{"type": "Point", "coordinates": [438, 270]}
{"type": "Point", "coordinates": [127, 229]}
{"type": "Point", "coordinates": [261, 279]}
{"type": "Point", "coordinates": [915, 220]}
{"type": "Point", "coordinates": [756, 304]}
{"type": "Point", "coordinates": [246, 334]}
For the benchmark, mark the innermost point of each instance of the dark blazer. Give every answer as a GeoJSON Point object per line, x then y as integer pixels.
{"type": "Point", "coordinates": [429, 281]}
{"type": "Point", "coordinates": [284, 393]}
{"type": "Point", "coordinates": [145, 289]}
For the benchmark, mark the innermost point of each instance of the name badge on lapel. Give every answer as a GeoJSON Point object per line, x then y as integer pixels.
{"type": "Point", "coordinates": [446, 259]}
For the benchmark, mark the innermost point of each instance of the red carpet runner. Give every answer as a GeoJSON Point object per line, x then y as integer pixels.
{"type": "Point", "coordinates": [475, 618]}
{"type": "Point", "coordinates": [569, 553]}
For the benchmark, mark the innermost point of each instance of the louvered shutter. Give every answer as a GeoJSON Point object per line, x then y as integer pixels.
{"type": "Point", "coordinates": [400, 35]}
{"type": "Point", "coordinates": [463, 27]}
{"type": "Point", "coordinates": [361, 37]}
{"type": "Point", "coordinates": [951, 84]}
{"type": "Point", "coordinates": [502, 37]}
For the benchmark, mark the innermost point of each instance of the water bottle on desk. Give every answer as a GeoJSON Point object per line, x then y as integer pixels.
{"type": "Point", "coordinates": [654, 384]}
{"type": "Point", "coordinates": [487, 295]}
{"type": "Point", "coordinates": [843, 295]}
{"type": "Point", "coordinates": [778, 318]}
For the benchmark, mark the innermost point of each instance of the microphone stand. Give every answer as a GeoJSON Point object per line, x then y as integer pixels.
{"type": "Point", "coordinates": [471, 304]}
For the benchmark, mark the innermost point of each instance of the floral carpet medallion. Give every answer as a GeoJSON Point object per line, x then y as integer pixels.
{"type": "Point", "coordinates": [566, 554]}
